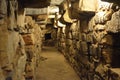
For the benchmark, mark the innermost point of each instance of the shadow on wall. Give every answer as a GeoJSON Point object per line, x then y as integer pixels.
{"type": "Point", "coordinates": [48, 36]}
{"type": "Point", "coordinates": [116, 51]}
{"type": "Point", "coordinates": [48, 40]}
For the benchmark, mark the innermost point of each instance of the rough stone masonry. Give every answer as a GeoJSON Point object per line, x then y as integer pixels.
{"type": "Point", "coordinates": [89, 40]}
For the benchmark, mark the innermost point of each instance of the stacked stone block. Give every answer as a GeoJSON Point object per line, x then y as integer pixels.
{"type": "Point", "coordinates": [92, 46]}
{"type": "Point", "coordinates": [20, 44]}
{"type": "Point", "coordinates": [32, 37]}
{"type": "Point", "coordinates": [12, 50]}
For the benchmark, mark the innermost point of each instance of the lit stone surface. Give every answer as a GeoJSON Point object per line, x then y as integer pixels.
{"type": "Point", "coordinates": [89, 40]}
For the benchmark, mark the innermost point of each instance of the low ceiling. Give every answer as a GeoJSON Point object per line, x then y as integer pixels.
{"type": "Point", "coordinates": [38, 3]}
{"type": "Point", "coordinates": [113, 1]}
{"type": "Point", "coordinates": [45, 7]}
{"type": "Point", "coordinates": [34, 3]}
{"type": "Point", "coordinates": [41, 8]}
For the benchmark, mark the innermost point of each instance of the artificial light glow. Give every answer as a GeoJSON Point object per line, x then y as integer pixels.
{"type": "Point", "coordinates": [69, 5]}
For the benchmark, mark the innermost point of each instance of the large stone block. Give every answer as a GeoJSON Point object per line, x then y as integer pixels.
{"type": "Point", "coordinates": [28, 38]}
{"type": "Point", "coordinates": [68, 42]}
{"type": "Point", "coordinates": [15, 45]}
{"type": "Point", "coordinates": [2, 77]}
{"type": "Point", "coordinates": [29, 52]}
{"type": "Point", "coordinates": [29, 71]}
{"type": "Point", "coordinates": [3, 36]}
{"type": "Point", "coordinates": [4, 59]}
{"type": "Point", "coordinates": [84, 37]}
{"type": "Point", "coordinates": [72, 51]}
{"type": "Point", "coordinates": [75, 35]}
{"type": "Point", "coordinates": [12, 19]}
{"type": "Point", "coordinates": [69, 35]}
{"type": "Point", "coordinates": [84, 5]}
{"type": "Point", "coordinates": [89, 38]}
{"type": "Point", "coordinates": [4, 46]}
{"type": "Point", "coordinates": [3, 8]}
{"type": "Point", "coordinates": [114, 24]}
{"type": "Point", "coordinates": [74, 27]}
{"type": "Point", "coordinates": [78, 46]}
{"type": "Point", "coordinates": [84, 47]}
{"type": "Point", "coordinates": [91, 24]}
{"type": "Point", "coordinates": [21, 67]}
{"type": "Point", "coordinates": [101, 72]}
{"type": "Point", "coordinates": [66, 17]}
{"type": "Point", "coordinates": [21, 18]}
{"type": "Point", "coordinates": [74, 44]}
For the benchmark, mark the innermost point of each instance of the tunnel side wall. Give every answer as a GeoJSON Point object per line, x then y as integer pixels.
{"type": "Point", "coordinates": [91, 46]}
{"type": "Point", "coordinates": [20, 43]}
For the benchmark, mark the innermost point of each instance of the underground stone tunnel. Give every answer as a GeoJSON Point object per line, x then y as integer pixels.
{"type": "Point", "coordinates": [59, 40]}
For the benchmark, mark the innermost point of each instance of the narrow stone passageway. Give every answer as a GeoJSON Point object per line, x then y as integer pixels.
{"type": "Point", "coordinates": [53, 66]}
{"type": "Point", "coordinates": [85, 35]}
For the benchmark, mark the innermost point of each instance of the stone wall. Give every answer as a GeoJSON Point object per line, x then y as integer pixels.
{"type": "Point", "coordinates": [31, 34]}
{"type": "Point", "coordinates": [91, 45]}
{"type": "Point", "coordinates": [20, 45]}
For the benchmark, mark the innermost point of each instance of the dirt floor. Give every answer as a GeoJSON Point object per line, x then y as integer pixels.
{"type": "Point", "coordinates": [53, 66]}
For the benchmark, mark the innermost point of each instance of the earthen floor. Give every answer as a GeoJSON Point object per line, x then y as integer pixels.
{"type": "Point", "coordinates": [53, 66]}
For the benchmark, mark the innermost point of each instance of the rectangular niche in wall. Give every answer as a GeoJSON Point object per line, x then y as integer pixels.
{"type": "Point", "coordinates": [48, 36]}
